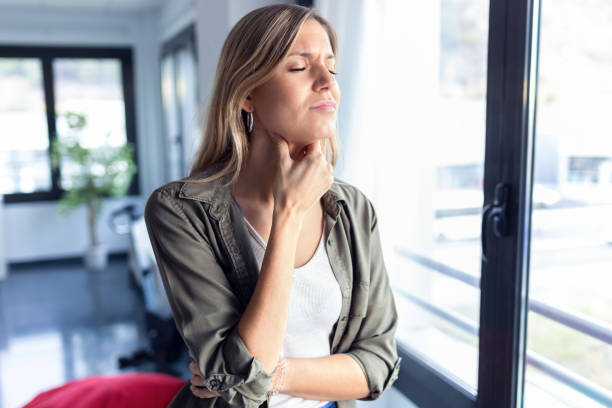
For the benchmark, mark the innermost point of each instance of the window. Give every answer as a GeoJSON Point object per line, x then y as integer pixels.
{"type": "Point", "coordinates": [495, 224]}
{"type": "Point", "coordinates": [25, 141]}
{"type": "Point", "coordinates": [179, 84]}
{"type": "Point", "coordinates": [41, 87]}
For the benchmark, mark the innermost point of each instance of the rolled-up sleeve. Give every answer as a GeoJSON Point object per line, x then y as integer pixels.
{"type": "Point", "coordinates": [205, 309]}
{"type": "Point", "coordinates": [375, 348]}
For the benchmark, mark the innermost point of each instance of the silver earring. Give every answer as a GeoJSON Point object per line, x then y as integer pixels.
{"type": "Point", "coordinates": [250, 121]}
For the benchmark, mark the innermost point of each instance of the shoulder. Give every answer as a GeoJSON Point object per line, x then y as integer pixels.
{"type": "Point", "coordinates": [181, 201]}
{"type": "Point", "coordinates": [167, 190]}
{"type": "Point", "coordinates": [162, 204]}
{"type": "Point", "coordinates": [167, 193]}
{"type": "Point", "coordinates": [172, 197]}
{"type": "Point", "coordinates": [192, 188]}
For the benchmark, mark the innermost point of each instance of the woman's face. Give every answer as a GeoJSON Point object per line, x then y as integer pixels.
{"type": "Point", "coordinates": [300, 101]}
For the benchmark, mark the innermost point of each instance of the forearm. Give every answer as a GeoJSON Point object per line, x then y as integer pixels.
{"type": "Point", "coordinates": [263, 324]}
{"type": "Point", "coordinates": [332, 378]}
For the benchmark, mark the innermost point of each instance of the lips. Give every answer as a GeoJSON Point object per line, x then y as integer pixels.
{"type": "Point", "coordinates": [327, 104]}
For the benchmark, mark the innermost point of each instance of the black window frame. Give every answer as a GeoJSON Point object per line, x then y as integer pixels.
{"type": "Point", "coordinates": [46, 54]}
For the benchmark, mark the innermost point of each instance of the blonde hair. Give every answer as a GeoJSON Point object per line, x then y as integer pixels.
{"type": "Point", "coordinates": [252, 50]}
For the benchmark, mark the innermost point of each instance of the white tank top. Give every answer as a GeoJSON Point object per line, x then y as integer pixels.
{"type": "Point", "coordinates": [314, 308]}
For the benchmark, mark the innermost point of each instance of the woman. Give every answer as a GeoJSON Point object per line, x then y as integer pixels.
{"type": "Point", "coordinates": [273, 269]}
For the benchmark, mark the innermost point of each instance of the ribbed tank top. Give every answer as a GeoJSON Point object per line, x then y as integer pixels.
{"type": "Point", "coordinates": [314, 308]}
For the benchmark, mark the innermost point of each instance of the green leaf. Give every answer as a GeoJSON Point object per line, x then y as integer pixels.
{"type": "Point", "coordinates": [90, 174]}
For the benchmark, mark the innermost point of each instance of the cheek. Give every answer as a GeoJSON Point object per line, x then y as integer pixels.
{"type": "Point", "coordinates": [281, 105]}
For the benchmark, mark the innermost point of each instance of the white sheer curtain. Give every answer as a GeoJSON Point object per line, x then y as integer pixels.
{"type": "Point", "coordinates": [388, 75]}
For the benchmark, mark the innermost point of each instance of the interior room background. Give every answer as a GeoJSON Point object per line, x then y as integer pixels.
{"type": "Point", "coordinates": [441, 102]}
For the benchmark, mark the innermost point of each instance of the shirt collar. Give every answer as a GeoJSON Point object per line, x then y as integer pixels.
{"type": "Point", "coordinates": [218, 194]}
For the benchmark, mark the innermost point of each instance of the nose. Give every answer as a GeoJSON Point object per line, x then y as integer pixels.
{"type": "Point", "coordinates": [323, 78]}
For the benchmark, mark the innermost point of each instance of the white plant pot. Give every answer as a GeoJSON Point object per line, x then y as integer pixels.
{"type": "Point", "coordinates": [96, 257]}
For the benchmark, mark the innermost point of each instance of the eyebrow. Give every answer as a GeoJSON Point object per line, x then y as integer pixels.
{"type": "Point", "coordinates": [308, 55]}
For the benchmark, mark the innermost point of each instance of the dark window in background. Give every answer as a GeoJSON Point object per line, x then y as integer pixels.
{"type": "Point", "coordinates": [39, 85]}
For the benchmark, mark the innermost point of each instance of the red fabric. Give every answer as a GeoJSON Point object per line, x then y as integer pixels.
{"type": "Point", "coordinates": [150, 390]}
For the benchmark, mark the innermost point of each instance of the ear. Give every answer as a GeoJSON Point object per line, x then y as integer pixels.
{"type": "Point", "coordinates": [247, 104]}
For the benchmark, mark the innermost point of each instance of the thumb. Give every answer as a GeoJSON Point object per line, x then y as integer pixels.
{"type": "Point", "coordinates": [313, 147]}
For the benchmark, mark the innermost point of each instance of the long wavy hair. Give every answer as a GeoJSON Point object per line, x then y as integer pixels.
{"type": "Point", "coordinates": [252, 50]}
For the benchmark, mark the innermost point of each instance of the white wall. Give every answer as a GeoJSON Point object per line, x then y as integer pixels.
{"type": "Point", "coordinates": [174, 16]}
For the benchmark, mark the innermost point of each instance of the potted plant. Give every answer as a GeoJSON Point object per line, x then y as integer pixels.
{"type": "Point", "coordinates": [90, 175]}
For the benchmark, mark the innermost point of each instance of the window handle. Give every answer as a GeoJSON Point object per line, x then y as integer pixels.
{"type": "Point", "coordinates": [498, 212]}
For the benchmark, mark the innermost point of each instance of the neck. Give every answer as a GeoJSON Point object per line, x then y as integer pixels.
{"type": "Point", "coordinates": [256, 181]}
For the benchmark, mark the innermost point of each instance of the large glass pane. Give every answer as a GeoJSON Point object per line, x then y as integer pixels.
{"type": "Point", "coordinates": [436, 268]}
{"type": "Point", "coordinates": [569, 338]}
{"type": "Point", "coordinates": [92, 88]}
{"type": "Point", "coordinates": [24, 157]}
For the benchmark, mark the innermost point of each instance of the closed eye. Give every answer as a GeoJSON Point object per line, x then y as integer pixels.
{"type": "Point", "coordinates": [302, 69]}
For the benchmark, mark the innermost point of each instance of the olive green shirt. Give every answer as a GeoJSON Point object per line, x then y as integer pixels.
{"type": "Point", "coordinates": [209, 272]}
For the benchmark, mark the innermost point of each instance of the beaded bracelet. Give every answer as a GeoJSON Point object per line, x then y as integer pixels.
{"type": "Point", "coordinates": [281, 367]}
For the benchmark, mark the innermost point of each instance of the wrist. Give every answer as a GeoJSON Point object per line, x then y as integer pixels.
{"type": "Point", "coordinates": [284, 214]}
{"type": "Point", "coordinates": [279, 381]}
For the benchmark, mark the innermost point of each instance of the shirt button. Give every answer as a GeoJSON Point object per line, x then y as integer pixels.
{"type": "Point", "coordinates": [330, 241]}
{"type": "Point", "coordinates": [214, 383]}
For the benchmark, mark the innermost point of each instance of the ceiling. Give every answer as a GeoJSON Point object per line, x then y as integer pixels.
{"type": "Point", "coordinates": [84, 5]}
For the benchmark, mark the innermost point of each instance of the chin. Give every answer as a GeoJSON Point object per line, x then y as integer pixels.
{"type": "Point", "coordinates": [314, 138]}
{"type": "Point", "coordinates": [326, 131]}
{"type": "Point", "coordinates": [313, 133]}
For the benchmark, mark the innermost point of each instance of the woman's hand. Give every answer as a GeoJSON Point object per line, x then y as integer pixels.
{"type": "Point", "coordinates": [197, 382]}
{"type": "Point", "coordinates": [300, 182]}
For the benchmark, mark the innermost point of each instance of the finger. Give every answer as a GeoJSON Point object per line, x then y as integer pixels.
{"type": "Point", "coordinates": [313, 147]}
{"type": "Point", "coordinates": [298, 155]}
{"type": "Point", "coordinates": [191, 355]}
{"type": "Point", "coordinates": [201, 392]}
{"type": "Point", "coordinates": [197, 381]}
{"type": "Point", "coordinates": [193, 367]}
